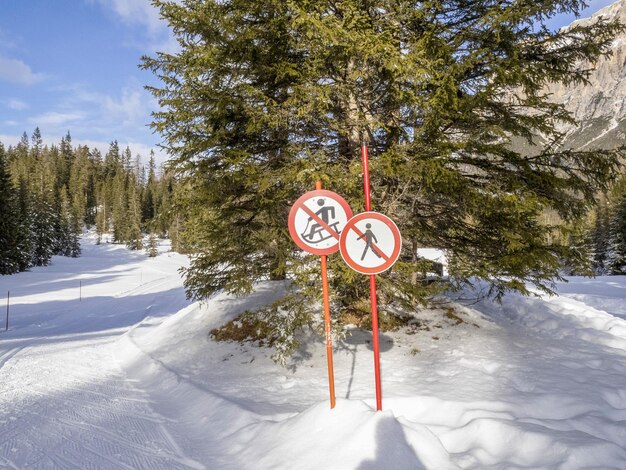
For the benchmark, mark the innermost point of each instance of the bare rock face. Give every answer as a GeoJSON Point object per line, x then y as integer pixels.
{"type": "Point", "coordinates": [599, 107]}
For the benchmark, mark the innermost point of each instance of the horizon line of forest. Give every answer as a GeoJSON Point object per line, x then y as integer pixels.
{"type": "Point", "coordinates": [50, 194]}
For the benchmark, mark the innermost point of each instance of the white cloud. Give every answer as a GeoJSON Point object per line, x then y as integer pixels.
{"type": "Point", "coordinates": [56, 119]}
{"type": "Point", "coordinates": [15, 104]}
{"type": "Point", "coordinates": [130, 109]}
{"type": "Point", "coordinates": [123, 115]}
{"type": "Point", "coordinates": [127, 110]}
{"type": "Point", "coordinates": [16, 71]}
{"type": "Point", "coordinates": [143, 13]}
{"type": "Point", "coordinates": [137, 12]}
{"type": "Point", "coordinates": [10, 140]}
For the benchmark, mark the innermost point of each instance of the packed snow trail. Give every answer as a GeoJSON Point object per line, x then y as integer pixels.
{"type": "Point", "coordinates": [64, 401]}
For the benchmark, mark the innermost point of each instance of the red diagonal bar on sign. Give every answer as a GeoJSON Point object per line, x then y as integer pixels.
{"type": "Point", "coordinates": [374, 247]}
{"type": "Point", "coordinates": [317, 219]}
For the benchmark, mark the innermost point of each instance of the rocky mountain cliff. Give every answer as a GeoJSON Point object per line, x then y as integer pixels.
{"type": "Point", "coordinates": [600, 106]}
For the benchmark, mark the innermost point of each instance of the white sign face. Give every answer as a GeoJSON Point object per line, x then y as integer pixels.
{"type": "Point", "coordinates": [316, 221]}
{"type": "Point", "coordinates": [370, 243]}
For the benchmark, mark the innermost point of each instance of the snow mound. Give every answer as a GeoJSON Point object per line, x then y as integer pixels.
{"type": "Point", "coordinates": [563, 317]}
{"type": "Point", "coordinates": [351, 436]}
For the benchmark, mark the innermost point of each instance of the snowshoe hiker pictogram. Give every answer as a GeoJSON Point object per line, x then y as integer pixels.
{"type": "Point", "coordinates": [314, 233]}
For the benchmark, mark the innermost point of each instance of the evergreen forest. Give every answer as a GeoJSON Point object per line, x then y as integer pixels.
{"type": "Point", "coordinates": [50, 194]}
{"type": "Point", "coordinates": [601, 235]}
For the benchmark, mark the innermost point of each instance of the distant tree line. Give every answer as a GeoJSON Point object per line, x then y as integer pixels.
{"type": "Point", "coordinates": [50, 194]}
{"type": "Point", "coordinates": [601, 237]}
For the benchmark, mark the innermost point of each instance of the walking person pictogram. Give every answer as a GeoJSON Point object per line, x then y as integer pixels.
{"type": "Point", "coordinates": [369, 237]}
{"type": "Point", "coordinates": [367, 233]}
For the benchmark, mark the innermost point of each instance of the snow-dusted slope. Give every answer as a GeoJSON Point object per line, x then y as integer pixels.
{"type": "Point", "coordinates": [129, 378]}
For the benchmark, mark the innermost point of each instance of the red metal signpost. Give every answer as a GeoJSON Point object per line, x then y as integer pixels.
{"type": "Point", "coordinates": [368, 208]}
{"type": "Point", "coordinates": [382, 255]}
{"type": "Point", "coordinates": [315, 222]}
{"type": "Point", "coordinates": [327, 331]}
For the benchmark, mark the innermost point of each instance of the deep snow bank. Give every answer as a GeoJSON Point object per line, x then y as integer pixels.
{"type": "Point", "coordinates": [531, 383]}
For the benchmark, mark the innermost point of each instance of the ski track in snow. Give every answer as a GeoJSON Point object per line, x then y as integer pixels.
{"type": "Point", "coordinates": [64, 401]}
{"type": "Point", "coordinates": [75, 409]}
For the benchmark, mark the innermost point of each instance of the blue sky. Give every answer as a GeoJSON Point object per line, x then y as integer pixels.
{"type": "Point", "coordinates": [72, 65]}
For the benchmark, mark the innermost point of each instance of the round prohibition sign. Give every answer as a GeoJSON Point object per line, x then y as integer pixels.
{"type": "Point", "coordinates": [370, 243]}
{"type": "Point", "coordinates": [316, 220]}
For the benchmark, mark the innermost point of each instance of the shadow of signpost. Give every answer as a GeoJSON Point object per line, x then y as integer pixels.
{"type": "Point", "coordinates": [356, 337]}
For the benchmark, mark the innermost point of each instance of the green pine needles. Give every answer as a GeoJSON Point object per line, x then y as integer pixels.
{"type": "Point", "coordinates": [265, 97]}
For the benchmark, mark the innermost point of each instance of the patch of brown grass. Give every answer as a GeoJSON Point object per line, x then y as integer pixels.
{"type": "Point", "coordinates": [353, 317]}
{"type": "Point", "coordinates": [245, 328]}
{"type": "Point", "coordinates": [450, 313]}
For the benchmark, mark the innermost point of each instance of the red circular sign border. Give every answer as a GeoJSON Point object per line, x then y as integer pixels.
{"type": "Point", "coordinates": [396, 236]}
{"type": "Point", "coordinates": [296, 206]}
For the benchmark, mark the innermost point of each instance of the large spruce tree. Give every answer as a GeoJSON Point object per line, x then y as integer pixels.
{"type": "Point", "coordinates": [265, 97]}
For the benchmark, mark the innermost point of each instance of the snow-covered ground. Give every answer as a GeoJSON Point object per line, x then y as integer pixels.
{"type": "Point", "coordinates": [106, 365]}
